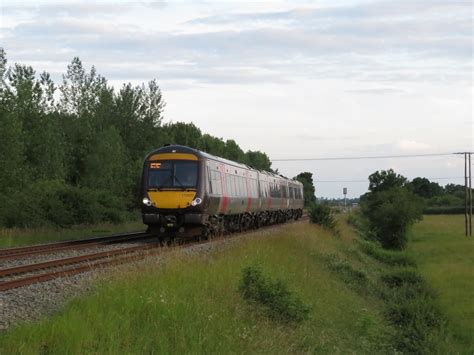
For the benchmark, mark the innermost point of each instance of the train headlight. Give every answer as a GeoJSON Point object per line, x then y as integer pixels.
{"type": "Point", "coordinates": [196, 202]}
{"type": "Point", "coordinates": [146, 201]}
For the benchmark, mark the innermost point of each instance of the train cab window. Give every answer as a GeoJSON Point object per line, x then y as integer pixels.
{"type": "Point", "coordinates": [173, 174]}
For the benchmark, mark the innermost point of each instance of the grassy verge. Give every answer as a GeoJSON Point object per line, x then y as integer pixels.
{"type": "Point", "coordinates": [192, 304]}
{"type": "Point", "coordinates": [293, 290]}
{"type": "Point", "coordinates": [18, 237]}
{"type": "Point", "coordinates": [445, 258]}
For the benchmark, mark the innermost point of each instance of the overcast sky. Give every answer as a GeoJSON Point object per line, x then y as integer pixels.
{"type": "Point", "coordinates": [295, 79]}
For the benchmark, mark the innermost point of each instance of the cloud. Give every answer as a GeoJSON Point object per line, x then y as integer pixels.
{"type": "Point", "coordinates": [377, 91]}
{"type": "Point", "coordinates": [412, 146]}
{"type": "Point", "coordinates": [385, 42]}
{"type": "Point", "coordinates": [309, 137]}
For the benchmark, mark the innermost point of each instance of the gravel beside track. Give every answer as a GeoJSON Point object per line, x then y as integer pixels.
{"type": "Point", "coordinates": [35, 301]}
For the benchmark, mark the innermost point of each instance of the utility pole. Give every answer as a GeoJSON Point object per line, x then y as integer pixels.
{"type": "Point", "coordinates": [467, 194]}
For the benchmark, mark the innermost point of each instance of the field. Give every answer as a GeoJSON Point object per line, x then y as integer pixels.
{"type": "Point", "coordinates": [190, 302]}
{"type": "Point", "coordinates": [445, 257]}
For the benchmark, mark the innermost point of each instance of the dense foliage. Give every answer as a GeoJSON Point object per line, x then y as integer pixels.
{"type": "Point", "coordinates": [306, 179]}
{"type": "Point", "coordinates": [321, 214]}
{"type": "Point", "coordinates": [73, 153]}
{"type": "Point", "coordinates": [278, 301]}
{"type": "Point", "coordinates": [390, 207]}
{"type": "Point", "coordinates": [438, 199]}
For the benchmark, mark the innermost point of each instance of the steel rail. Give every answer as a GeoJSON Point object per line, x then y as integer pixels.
{"type": "Point", "coordinates": [72, 260]}
{"type": "Point", "coordinates": [70, 244]}
{"type": "Point", "coordinates": [119, 256]}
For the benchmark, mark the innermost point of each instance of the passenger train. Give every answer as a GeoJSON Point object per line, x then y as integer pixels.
{"type": "Point", "coordinates": [187, 192]}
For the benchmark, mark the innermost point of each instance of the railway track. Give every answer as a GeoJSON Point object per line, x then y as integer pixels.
{"type": "Point", "coordinates": [27, 251]}
{"type": "Point", "coordinates": [24, 275]}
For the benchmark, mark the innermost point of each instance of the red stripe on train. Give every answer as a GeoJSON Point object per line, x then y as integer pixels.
{"type": "Point", "coordinates": [225, 199]}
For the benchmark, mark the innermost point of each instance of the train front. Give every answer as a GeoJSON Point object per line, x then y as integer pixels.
{"type": "Point", "coordinates": [172, 191]}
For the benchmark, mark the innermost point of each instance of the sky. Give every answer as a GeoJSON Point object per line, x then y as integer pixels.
{"type": "Point", "coordinates": [294, 79]}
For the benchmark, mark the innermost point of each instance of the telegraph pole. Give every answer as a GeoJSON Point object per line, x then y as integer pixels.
{"type": "Point", "coordinates": [467, 194]}
{"type": "Point", "coordinates": [470, 197]}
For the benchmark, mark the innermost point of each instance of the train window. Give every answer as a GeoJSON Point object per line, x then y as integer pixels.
{"type": "Point", "coordinates": [173, 174]}
{"type": "Point", "coordinates": [243, 187]}
{"type": "Point", "coordinates": [216, 182]}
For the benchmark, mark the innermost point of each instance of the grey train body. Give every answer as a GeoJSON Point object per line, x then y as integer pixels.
{"type": "Point", "coordinates": [185, 189]}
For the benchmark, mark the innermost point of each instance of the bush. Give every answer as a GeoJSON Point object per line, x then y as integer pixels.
{"type": "Point", "coordinates": [389, 257]}
{"type": "Point", "coordinates": [444, 210]}
{"type": "Point", "coordinates": [412, 308]}
{"type": "Point", "coordinates": [57, 204]}
{"type": "Point", "coordinates": [321, 214]}
{"type": "Point", "coordinates": [278, 301]}
{"type": "Point", "coordinates": [390, 213]}
{"type": "Point", "coordinates": [345, 270]}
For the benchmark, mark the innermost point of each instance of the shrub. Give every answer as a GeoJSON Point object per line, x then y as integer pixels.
{"type": "Point", "coordinates": [55, 203]}
{"type": "Point", "coordinates": [390, 213]}
{"type": "Point", "coordinates": [389, 257]}
{"type": "Point", "coordinates": [278, 301]}
{"type": "Point", "coordinates": [412, 308]}
{"type": "Point", "coordinates": [321, 214]}
{"type": "Point", "coordinates": [345, 269]}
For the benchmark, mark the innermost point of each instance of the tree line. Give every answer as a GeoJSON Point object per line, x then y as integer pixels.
{"type": "Point", "coordinates": [73, 153]}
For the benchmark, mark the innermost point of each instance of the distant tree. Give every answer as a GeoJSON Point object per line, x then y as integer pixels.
{"type": "Point", "coordinates": [185, 134]}
{"type": "Point", "coordinates": [106, 166]}
{"type": "Point", "coordinates": [213, 145]}
{"type": "Point", "coordinates": [425, 188]}
{"type": "Point", "coordinates": [258, 160]}
{"type": "Point", "coordinates": [385, 180]}
{"type": "Point", "coordinates": [390, 212]}
{"type": "Point", "coordinates": [390, 208]}
{"type": "Point", "coordinates": [234, 152]}
{"type": "Point", "coordinates": [306, 178]}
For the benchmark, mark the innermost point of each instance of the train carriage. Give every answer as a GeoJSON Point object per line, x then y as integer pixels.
{"type": "Point", "coordinates": [187, 191]}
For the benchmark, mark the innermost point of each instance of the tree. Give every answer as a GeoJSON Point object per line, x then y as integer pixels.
{"type": "Point", "coordinates": [385, 180]}
{"type": "Point", "coordinates": [106, 166]}
{"type": "Point", "coordinates": [306, 179]}
{"type": "Point", "coordinates": [390, 212]}
{"type": "Point", "coordinates": [212, 145]}
{"type": "Point", "coordinates": [234, 152]}
{"type": "Point", "coordinates": [424, 188]}
{"type": "Point", "coordinates": [258, 160]}
{"type": "Point", "coordinates": [185, 134]}
{"type": "Point", "coordinates": [390, 207]}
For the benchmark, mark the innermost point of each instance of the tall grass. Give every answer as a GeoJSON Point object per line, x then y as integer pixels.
{"type": "Point", "coordinates": [192, 304]}
{"type": "Point", "coordinates": [445, 259]}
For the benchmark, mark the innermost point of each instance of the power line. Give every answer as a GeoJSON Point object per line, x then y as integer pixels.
{"type": "Point", "coordinates": [367, 181]}
{"type": "Point", "coordinates": [367, 157]}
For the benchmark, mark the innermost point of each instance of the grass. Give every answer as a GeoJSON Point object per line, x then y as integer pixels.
{"type": "Point", "coordinates": [192, 304]}
{"type": "Point", "coordinates": [445, 258]}
{"type": "Point", "coordinates": [18, 237]}
{"type": "Point", "coordinates": [355, 299]}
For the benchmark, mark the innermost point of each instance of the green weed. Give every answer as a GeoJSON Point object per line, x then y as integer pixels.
{"type": "Point", "coordinates": [279, 302]}
{"type": "Point", "coordinates": [389, 257]}
{"type": "Point", "coordinates": [345, 269]}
